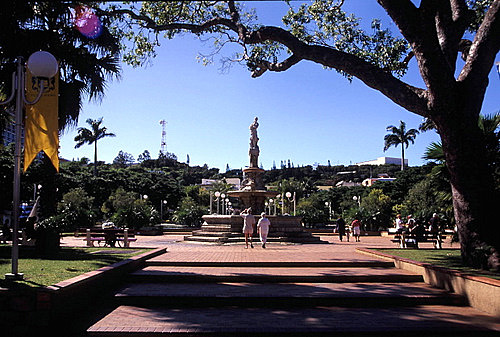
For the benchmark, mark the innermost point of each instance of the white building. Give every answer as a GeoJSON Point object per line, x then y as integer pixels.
{"type": "Point", "coordinates": [383, 161]}
{"type": "Point", "coordinates": [207, 183]}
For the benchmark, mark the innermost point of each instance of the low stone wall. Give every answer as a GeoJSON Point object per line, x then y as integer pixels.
{"type": "Point", "coordinates": [483, 293]}
{"type": "Point", "coordinates": [25, 310]}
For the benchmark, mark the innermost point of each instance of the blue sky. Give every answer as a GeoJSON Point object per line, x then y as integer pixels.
{"type": "Point", "coordinates": [307, 114]}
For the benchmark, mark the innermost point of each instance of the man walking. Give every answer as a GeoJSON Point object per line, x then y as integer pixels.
{"type": "Point", "coordinates": [341, 228]}
{"type": "Point", "coordinates": [248, 223]}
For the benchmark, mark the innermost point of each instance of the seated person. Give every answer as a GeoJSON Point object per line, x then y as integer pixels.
{"type": "Point", "coordinates": [418, 229]}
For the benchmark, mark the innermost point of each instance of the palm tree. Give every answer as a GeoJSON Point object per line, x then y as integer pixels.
{"type": "Point", "coordinates": [91, 136]}
{"type": "Point", "coordinates": [489, 125]}
{"type": "Point", "coordinates": [86, 64]}
{"type": "Point", "coordinates": [398, 136]}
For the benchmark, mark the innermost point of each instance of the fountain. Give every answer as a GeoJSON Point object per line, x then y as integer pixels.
{"type": "Point", "coordinates": [253, 194]}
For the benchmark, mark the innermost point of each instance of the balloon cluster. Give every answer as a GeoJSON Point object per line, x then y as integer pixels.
{"type": "Point", "coordinates": [87, 22]}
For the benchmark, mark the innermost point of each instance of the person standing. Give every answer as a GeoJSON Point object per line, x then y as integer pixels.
{"type": "Point", "coordinates": [263, 228]}
{"type": "Point", "coordinates": [341, 228]}
{"type": "Point", "coordinates": [434, 225]}
{"type": "Point", "coordinates": [356, 228]}
{"type": "Point", "coordinates": [399, 224]}
{"type": "Point", "coordinates": [248, 223]}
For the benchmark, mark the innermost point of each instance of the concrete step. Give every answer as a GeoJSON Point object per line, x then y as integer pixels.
{"type": "Point", "coordinates": [212, 239]}
{"type": "Point", "coordinates": [433, 320]}
{"type": "Point", "coordinates": [177, 274]}
{"type": "Point", "coordinates": [286, 294]}
{"type": "Point", "coordinates": [222, 234]}
{"type": "Point", "coordinates": [219, 227]}
{"type": "Point", "coordinates": [280, 264]}
{"type": "Point", "coordinates": [207, 237]}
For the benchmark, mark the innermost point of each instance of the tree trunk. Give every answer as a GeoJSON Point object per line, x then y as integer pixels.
{"type": "Point", "coordinates": [475, 200]}
{"type": "Point", "coordinates": [95, 158]}
{"type": "Point", "coordinates": [402, 157]}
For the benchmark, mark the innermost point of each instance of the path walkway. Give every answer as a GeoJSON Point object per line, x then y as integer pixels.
{"type": "Point", "coordinates": [203, 289]}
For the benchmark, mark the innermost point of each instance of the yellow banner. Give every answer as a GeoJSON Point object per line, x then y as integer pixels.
{"type": "Point", "coordinates": [41, 125]}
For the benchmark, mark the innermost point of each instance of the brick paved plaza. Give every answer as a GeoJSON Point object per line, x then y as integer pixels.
{"type": "Point", "coordinates": [207, 289]}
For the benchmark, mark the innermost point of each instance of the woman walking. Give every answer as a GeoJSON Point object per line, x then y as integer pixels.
{"type": "Point", "coordinates": [263, 228]}
{"type": "Point", "coordinates": [356, 228]}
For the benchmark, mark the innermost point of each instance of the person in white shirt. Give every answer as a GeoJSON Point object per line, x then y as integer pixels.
{"type": "Point", "coordinates": [399, 223]}
{"type": "Point", "coordinates": [248, 223]}
{"type": "Point", "coordinates": [263, 228]}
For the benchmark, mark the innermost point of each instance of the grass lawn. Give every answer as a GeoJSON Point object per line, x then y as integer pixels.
{"type": "Point", "coordinates": [448, 258]}
{"type": "Point", "coordinates": [68, 263]}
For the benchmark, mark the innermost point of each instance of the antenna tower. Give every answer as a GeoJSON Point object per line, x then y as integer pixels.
{"type": "Point", "coordinates": [163, 146]}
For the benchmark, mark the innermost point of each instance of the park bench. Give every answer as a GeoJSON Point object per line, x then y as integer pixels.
{"type": "Point", "coordinates": [405, 240]}
{"type": "Point", "coordinates": [108, 237]}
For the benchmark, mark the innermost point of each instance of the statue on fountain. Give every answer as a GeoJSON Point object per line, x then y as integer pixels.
{"type": "Point", "coordinates": [254, 147]}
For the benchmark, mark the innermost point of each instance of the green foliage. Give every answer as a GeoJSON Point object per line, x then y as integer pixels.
{"type": "Point", "coordinates": [127, 210]}
{"type": "Point", "coordinates": [123, 159]}
{"type": "Point", "coordinates": [378, 208]}
{"type": "Point", "coordinates": [323, 22]}
{"type": "Point", "coordinates": [75, 210]}
{"type": "Point", "coordinates": [313, 210]}
{"type": "Point", "coordinates": [189, 213]}
{"type": "Point", "coordinates": [91, 136]}
{"type": "Point", "coordinates": [86, 64]}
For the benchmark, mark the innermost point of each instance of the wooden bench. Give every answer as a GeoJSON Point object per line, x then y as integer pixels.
{"type": "Point", "coordinates": [405, 240]}
{"type": "Point", "coordinates": [109, 237]}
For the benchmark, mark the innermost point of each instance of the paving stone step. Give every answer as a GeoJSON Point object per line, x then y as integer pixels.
{"type": "Point", "coordinates": [286, 294]}
{"type": "Point", "coordinates": [208, 237]}
{"type": "Point", "coordinates": [280, 264]}
{"type": "Point", "coordinates": [434, 320]}
{"type": "Point", "coordinates": [271, 275]}
{"type": "Point", "coordinates": [214, 233]}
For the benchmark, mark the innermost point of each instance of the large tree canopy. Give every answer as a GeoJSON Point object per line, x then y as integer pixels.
{"type": "Point", "coordinates": [434, 32]}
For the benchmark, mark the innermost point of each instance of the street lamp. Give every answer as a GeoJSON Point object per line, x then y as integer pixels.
{"type": "Point", "coordinates": [329, 205]}
{"type": "Point", "coordinates": [217, 195]}
{"type": "Point", "coordinates": [163, 202]}
{"type": "Point", "coordinates": [289, 196]}
{"type": "Point", "coordinates": [222, 198]}
{"type": "Point", "coordinates": [358, 199]}
{"type": "Point", "coordinates": [278, 197]}
{"type": "Point", "coordinates": [271, 203]}
{"type": "Point", "coordinates": [42, 65]}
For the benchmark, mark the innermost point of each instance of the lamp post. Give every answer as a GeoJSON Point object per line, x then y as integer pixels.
{"type": "Point", "coordinates": [278, 197]}
{"type": "Point", "coordinates": [358, 199]}
{"type": "Point", "coordinates": [42, 65]}
{"type": "Point", "coordinates": [289, 196]}
{"type": "Point", "coordinates": [163, 202]}
{"type": "Point", "coordinates": [217, 196]}
{"type": "Point", "coordinates": [329, 205]}
{"type": "Point", "coordinates": [222, 198]}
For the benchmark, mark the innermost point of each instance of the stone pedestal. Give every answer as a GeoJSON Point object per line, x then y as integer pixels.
{"type": "Point", "coordinates": [229, 229]}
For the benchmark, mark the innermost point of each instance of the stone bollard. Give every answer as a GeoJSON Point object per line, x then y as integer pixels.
{"type": "Point", "coordinates": [89, 241]}
{"type": "Point", "coordinates": [125, 238]}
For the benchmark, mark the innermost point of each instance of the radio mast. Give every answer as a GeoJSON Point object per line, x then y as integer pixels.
{"type": "Point", "coordinates": [163, 146]}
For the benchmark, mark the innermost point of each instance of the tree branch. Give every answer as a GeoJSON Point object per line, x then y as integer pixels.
{"type": "Point", "coordinates": [194, 28]}
{"type": "Point", "coordinates": [264, 65]}
{"type": "Point", "coordinates": [484, 48]}
{"type": "Point", "coordinates": [412, 98]}
{"type": "Point", "coordinates": [405, 15]}
{"type": "Point", "coordinates": [421, 29]}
